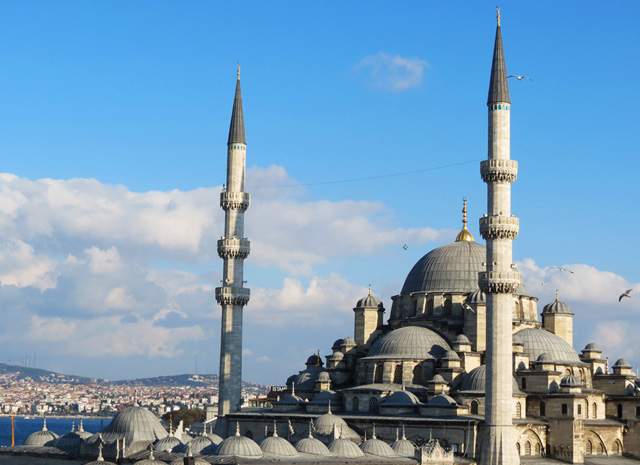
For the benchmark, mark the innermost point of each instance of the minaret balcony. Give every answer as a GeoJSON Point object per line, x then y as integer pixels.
{"type": "Point", "coordinates": [232, 295]}
{"type": "Point", "coordinates": [233, 248]}
{"type": "Point", "coordinates": [235, 200]}
{"type": "Point", "coordinates": [499, 282]}
{"type": "Point", "coordinates": [499, 170]}
{"type": "Point", "coordinates": [499, 227]}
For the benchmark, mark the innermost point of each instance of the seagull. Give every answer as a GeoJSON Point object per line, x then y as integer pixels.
{"type": "Point", "coordinates": [405, 247]}
{"type": "Point", "coordinates": [468, 307]}
{"type": "Point", "coordinates": [543, 283]}
{"type": "Point", "coordinates": [625, 294]}
{"type": "Point", "coordinates": [520, 78]}
{"type": "Point", "coordinates": [560, 269]}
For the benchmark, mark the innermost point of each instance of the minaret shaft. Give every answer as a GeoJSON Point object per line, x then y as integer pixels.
{"type": "Point", "coordinates": [233, 248]}
{"type": "Point", "coordinates": [500, 281]}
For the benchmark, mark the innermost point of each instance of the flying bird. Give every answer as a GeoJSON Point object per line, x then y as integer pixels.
{"type": "Point", "coordinates": [520, 78]}
{"type": "Point", "coordinates": [405, 247]}
{"type": "Point", "coordinates": [560, 269]}
{"type": "Point", "coordinates": [625, 294]}
{"type": "Point", "coordinates": [468, 307]}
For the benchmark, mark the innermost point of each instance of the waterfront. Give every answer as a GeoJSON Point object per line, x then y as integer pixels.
{"type": "Point", "coordinates": [24, 426]}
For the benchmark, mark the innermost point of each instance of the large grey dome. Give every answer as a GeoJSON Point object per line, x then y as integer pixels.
{"type": "Point", "coordinates": [539, 341]}
{"type": "Point", "coordinates": [134, 424]}
{"type": "Point", "coordinates": [450, 268]}
{"type": "Point", "coordinates": [410, 342]}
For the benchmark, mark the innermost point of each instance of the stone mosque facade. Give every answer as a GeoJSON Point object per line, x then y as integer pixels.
{"type": "Point", "coordinates": [416, 383]}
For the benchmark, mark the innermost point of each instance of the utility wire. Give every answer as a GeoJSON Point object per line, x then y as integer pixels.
{"type": "Point", "coordinates": [343, 181]}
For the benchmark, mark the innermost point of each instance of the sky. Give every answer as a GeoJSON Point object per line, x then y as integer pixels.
{"type": "Point", "coordinates": [366, 123]}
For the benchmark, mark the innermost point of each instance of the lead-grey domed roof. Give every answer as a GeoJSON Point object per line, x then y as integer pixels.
{"type": "Point", "coordinates": [377, 447]}
{"type": "Point", "coordinates": [557, 307]}
{"type": "Point", "coordinates": [476, 381]}
{"type": "Point", "coordinates": [40, 438]}
{"type": "Point", "coordinates": [401, 398]}
{"type": "Point", "coordinates": [410, 342]}
{"type": "Point", "coordinates": [404, 447]}
{"type": "Point", "coordinates": [240, 446]}
{"type": "Point", "coordinates": [539, 341]}
{"type": "Point", "coordinates": [197, 461]}
{"type": "Point", "coordinates": [167, 444]}
{"type": "Point", "coordinates": [450, 355]}
{"type": "Point", "coordinates": [450, 268]}
{"type": "Point", "coordinates": [461, 339]}
{"type": "Point", "coordinates": [345, 448]}
{"type": "Point", "coordinates": [369, 302]}
{"type": "Point", "coordinates": [324, 397]}
{"type": "Point", "coordinates": [592, 346]}
{"type": "Point", "coordinates": [477, 297]}
{"type": "Point", "coordinates": [442, 400]}
{"type": "Point", "coordinates": [134, 424]}
{"type": "Point", "coordinates": [278, 446]}
{"type": "Point", "coordinates": [570, 381]}
{"type": "Point", "coordinates": [622, 363]}
{"type": "Point", "coordinates": [312, 446]}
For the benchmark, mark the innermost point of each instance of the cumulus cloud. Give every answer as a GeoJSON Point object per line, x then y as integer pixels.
{"type": "Point", "coordinates": [392, 73]}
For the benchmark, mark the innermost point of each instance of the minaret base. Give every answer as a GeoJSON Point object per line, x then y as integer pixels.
{"type": "Point", "coordinates": [499, 446]}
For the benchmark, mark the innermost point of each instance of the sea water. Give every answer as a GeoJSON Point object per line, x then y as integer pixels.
{"type": "Point", "coordinates": [25, 426]}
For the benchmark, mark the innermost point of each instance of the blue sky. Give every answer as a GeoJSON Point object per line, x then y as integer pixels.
{"type": "Point", "coordinates": [365, 126]}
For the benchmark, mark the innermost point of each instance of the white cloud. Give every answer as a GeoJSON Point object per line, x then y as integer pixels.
{"type": "Point", "coordinates": [392, 73]}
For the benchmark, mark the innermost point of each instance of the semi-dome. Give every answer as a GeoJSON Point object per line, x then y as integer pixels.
{"type": "Point", "coordinates": [544, 358]}
{"type": "Point", "coordinates": [476, 381]}
{"type": "Point", "coordinates": [134, 424]}
{"type": "Point", "coordinates": [570, 381]}
{"type": "Point", "coordinates": [40, 438]}
{"type": "Point", "coordinates": [312, 446]}
{"type": "Point", "coordinates": [278, 446]}
{"type": "Point", "coordinates": [410, 342]}
{"type": "Point", "coordinates": [239, 446]}
{"type": "Point", "coordinates": [442, 400]}
{"type": "Point", "coordinates": [401, 398]}
{"type": "Point", "coordinates": [450, 268]}
{"type": "Point", "coordinates": [539, 341]}
{"type": "Point", "coordinates": [345, 448]}
{"type": "Point", "coordinates": [325, 397]}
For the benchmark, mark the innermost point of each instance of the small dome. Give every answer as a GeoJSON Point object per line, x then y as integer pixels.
{"type": "Point", "coordinates": [537, 341]}
{"type": "Point", "coordinates": [345, 448]}
{"type": "Point", "coordinates": [337, 344]}
{"type": "Point", "coordinates": [278, 446]}
{"type": "Point", "coordinates": [401, 398]}
{"type": "Point", "coordinates": [197, 461]}
{"type": "Point", "coordinates": [369, 302]}
{"type": "Point", "coordinates": [349, 342]}
{"type": "Point", "coordinates": [324, 377]}
{"type": "Point", "coordinates": [41, 438]}
{"type": "Point", "coordinates": [622, 363]}
{"type": "Point", "coordinates": [410, 342]}
{"type": "Point", "coordinates": [167, 444]}
{"type": "Point", "coordinates": [326, 423]}
{"type": "Point", "coordinates": [325, 397]}
{"type": "Point", "coordinates": [438, 379]}
{"type": "Point", "coordinates": [102, 462]}
{"type": "Point", "coordinates": [314, 361]}
{"type": "Point", "coordinates": [442, 400]}
{"type": "Point", "coordinates": [557, 307]}
{"type": "Point", "coordinates": [404, 447]}
{"type": "Point", "coordinates": [570, 381]}
{"type": "Point", "coordinates": [239, 446]}
{"type": "Point", "coordinates": [377, 447]}
{"type": "Point", "coordinates": [312, 446]}
{"type": "Point", "coordinates": [592, 346]}
{"type": "Point", "coordinates": [476, 381]}
{"type": "Point", "coordinates": [544, 358]}
{"type": "Point", "coordinates": [450, 355]}
{"type": "Point", "coordinates": [291, 379]}
{"type": "Point", "coordinates": [477, 297]}
{"type": "Point", "coordinates": [291, 399]}
{"type": "Point", "coordinates": [337, 356]}
{"type": "Point", "coordinates": [199, 443]}
{"type": "Point", "coordinates": [150, 461]}
{"type": "Point", "coordinates": [461, 339]}
{"type": "Point", "coordinates": [69, 442]}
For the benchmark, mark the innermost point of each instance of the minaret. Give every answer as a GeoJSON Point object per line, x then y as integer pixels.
{"type": "Point", "coordinates": [233, 248]}
{"type": "Point", "coordinates": [499, 228]}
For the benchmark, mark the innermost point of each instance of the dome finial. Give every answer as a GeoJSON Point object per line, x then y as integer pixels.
{"type": "Point", "coordinates": [498, 15]}
{"type": "Point", "coordinates": [556, 295]}
{"type": "Point", "coordinates": [329, 408]}
{"type": "Point", "coordinates": [318, 359]}
{"type": "Point", "coordinates": [293, 388]}
{"type": "Point", "coordinates": [44, 424]}
{"type": "Point", "coordinates": [465, 234]}
{"type": "Point", "coordinates": [237, 428]}
{"type": "Point", "coordinates": [239, 62]}
{"type": "Point", "coordinates": [369, 290]}
{"type": "Point", "coordinates": [275, 429]}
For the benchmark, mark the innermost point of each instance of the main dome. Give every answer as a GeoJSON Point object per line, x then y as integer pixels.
{"type": "Point", "coordinates": [450, 268]}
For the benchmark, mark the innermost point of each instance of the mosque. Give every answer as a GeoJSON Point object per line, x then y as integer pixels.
{"type": "Point", "coordinates": [463, 369]}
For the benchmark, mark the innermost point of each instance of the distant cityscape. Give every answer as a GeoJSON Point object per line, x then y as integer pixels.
{"type": "Point", "coordinates": [30, 391]}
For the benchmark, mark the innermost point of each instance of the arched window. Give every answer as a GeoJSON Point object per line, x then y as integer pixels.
{"type": "Point", "coordinates": [430, 307]}
{"type": "Point", "coordinates": [586, 409]}
{"type": "Point", "coordinates": [373, 405]}
{"type": "Point", "coordinates": [397, 375]}
{"type": "Point", "coordinates": [474, 407]}
{"type": "Point", "coordinates": [417, 374]}
{"type": "Point", "coordinates": [519, 415]}
{"type": "Point", "coordinates": [538, 448]}
{"type": "Point", "coordinates": [543, 409]}
{"type": "Point", "coordinates": [527, 448]}
{"type": "Point", "coordinates": [356, 404]}
{"type": "Point", "coordinates": [589, 448]}
{"type": "Point", "coordinates": [518, 447]}
{"type": "Point", "coordinates": [615, 448]}
{"type": "Point", "coordinates": [447, 306]}
{"type": "Point", "coordinates": [619, 410]}
{"type": "Point", "coordinates": [579, 409]}
{"type": "Point", "coordinates": [524, 383]}
{"type": "Point", "coordinates": [379, 373]}
{"type": "Point", "coordinates": [595, 410]}
{"type": "Point", "coordinates": [600, 450]}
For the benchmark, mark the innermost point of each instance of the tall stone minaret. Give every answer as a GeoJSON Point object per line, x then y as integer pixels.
{"type": "Point", "coordinates": [499, 228]}
{"type": "Point", "coordinates": [233, 248]}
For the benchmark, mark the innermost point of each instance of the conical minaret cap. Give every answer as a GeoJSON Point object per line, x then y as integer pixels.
{"type": "Point", "coordinates": [236, 130]}
{"type": "Point", "coordinates": [498, 86]}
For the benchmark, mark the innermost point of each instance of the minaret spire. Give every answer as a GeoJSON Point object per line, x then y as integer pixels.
{"type": "Point", "coordinates": [233, 248]}
{"type": "Point", "coordinates": [499, 282]}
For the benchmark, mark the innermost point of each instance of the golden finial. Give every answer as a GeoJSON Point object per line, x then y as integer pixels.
{"type": "Point", "coordinates": [556, 295]}
{"type": "Point", "coordinates": [464, 235]}
{"type": "Point", "coordinates": [498, 10]}
{"type": "Point", "coordinates": [239, 68]}
{"type": "Point", "coordinates": [369, 290]}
